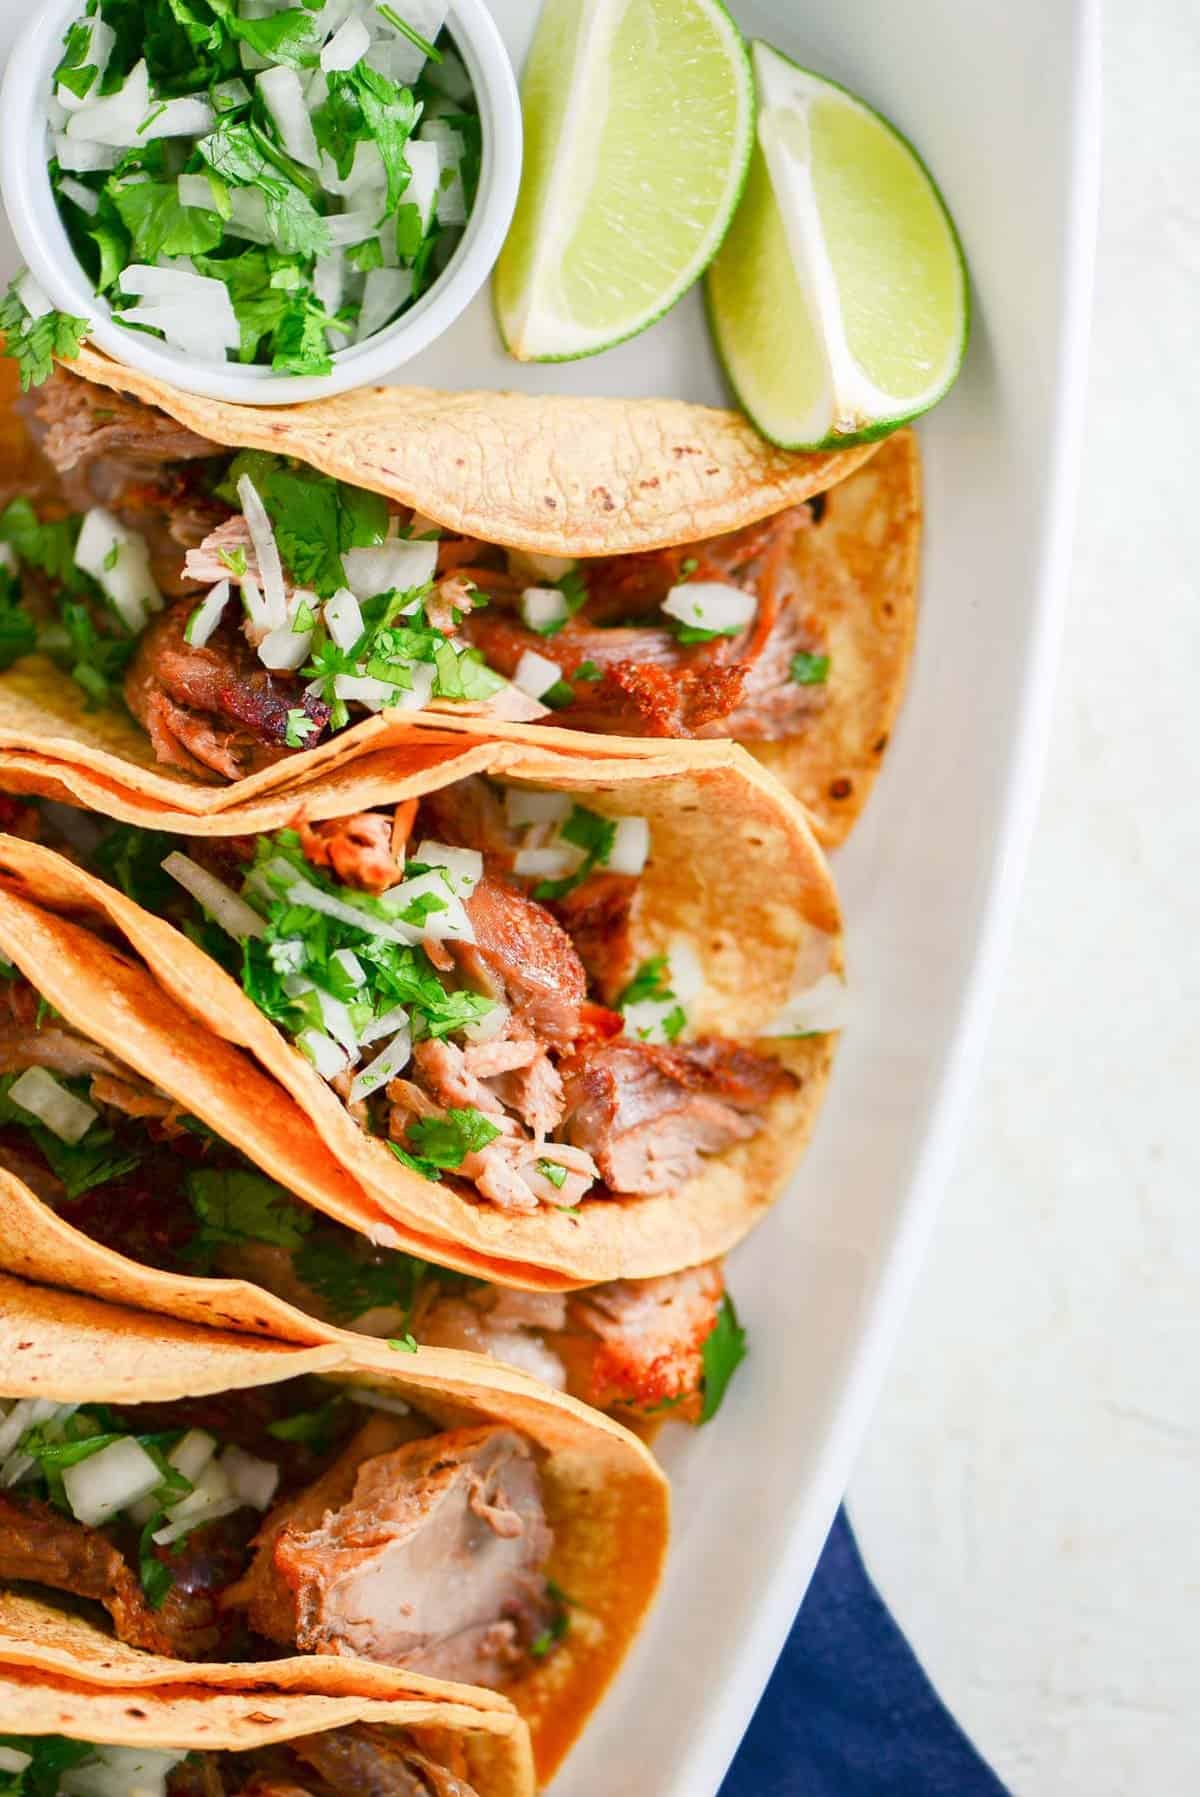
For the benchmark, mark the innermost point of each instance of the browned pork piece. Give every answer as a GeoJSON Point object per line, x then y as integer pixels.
{"type": "Point", "coordinates": [426, 1554]}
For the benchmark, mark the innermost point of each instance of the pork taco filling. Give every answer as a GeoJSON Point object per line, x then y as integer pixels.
{"type": "Point", "coordinates": [305, 1516]}
{"type": "Point", "coordinates": [245, 606]}
{"type": "Point", "coordinates": [126, 1167]}
{"type": "Point", "coordinates": [358, 1761]}
{"type": "Point", "coordinates": [461, 970]}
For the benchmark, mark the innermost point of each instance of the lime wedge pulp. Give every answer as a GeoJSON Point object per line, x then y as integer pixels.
{"type": "Point", "coordinates": [639, 120]}
{"type": "Point", "coordinates": [838, 299]}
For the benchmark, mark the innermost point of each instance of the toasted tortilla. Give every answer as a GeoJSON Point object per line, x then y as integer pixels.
{"type": "Point", "coordinates": [606, 1500]}
{"type": "Point", "coordinates": [734, 868]}
{"type": "Point", "coordinates": [489, 1748]}
{"type": "Point", "coordinates": [569, 476]}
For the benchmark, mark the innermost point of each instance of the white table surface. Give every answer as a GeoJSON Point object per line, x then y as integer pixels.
{"type": "Point", "coordinates": [1028, 1494]}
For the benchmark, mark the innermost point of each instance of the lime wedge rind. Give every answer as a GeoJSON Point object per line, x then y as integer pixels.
{"type": "Point", "coordinates": [844, 406]}
{"type": "Point", "coordinates": [531, 327]}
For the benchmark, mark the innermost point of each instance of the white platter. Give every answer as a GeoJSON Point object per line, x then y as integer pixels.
{"type": "Point", "coordinates": [1003, 101]}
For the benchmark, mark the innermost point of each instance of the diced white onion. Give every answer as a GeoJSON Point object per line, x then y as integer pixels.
{"type": "Point", "coordinates": [192, 1453]}
{"type": "Point", "coordinates": [536, 674]}
{"type": "Point", "coordinates": [86, 198]}
{"type": "Point", "coordinates": [195, 191]}
{"type": "Point", "coordinates": [465, 866]}
{"type": "Point", "coordinates": [98, 1487]}
{"type": "Point", "coordinates": [390, 1061]}
{"type": "Point", "coordinates": [324, 1053]}
{"type": "Point", "coordinates": [33, 297]}
{"type": "Point", "coordinates": [207, 615]}
{"type": "Point", "coordinates": [451, 924]}
{"type": "Point", "coordinates": [149, 281]}
{"type": "Point", "coordinates": [64, 1115]}
{"type": "Point", "coordinates": [82, 158]}
{"type": "Point", "coordinates": [115, 119]}
{"type": "Point", "coordinates": [329, 280]}
{"type": "Point", "coordinates": [183, 1525]}
{"type": "Point", "coordinates": [284, 99]}
{"type": "Point", "coordinates": [396, 565]}
{"type": "Point", "coordinates": [186, 325]}
{"type": "Point", "coordinates": [364, 689]}
{"type": "Point", "coordinates": [56, 114]}
{"type": "Point", "coordinates": [225, 907]}
{"type": "Point", "coordinates": [348, 45]}
{"type": "Point", "coordinates": [823, 1007]}
{"type": "Point", "coordinates": [646, 1018]}
{"type": "Point", "coordinates": [451, 200]}
{"type": "Point", "coordinates": [187, 116]}
{"type": "Point", "coordinates": [350, 965]}
{"type": "Point", "coordinates": [425, 166]}
{"type": "Point", "coordinates": [128, 582]}
{"type": "Point", "coordinates": [346, 228]}
{"type": "Point", "coordinates": [553, 863]}
{"type": "Point", "coordinates": [336, 1018]}
{"type": "Point", "coordinates": [12, 1760]}
{"type": "Point", "coordinates": [284, 649]}
{"type": "Point", "coordinates": [492, 1024]}
{"type": "Point", "coordinates": [252, 1480]}
{"type": "Point", "coordinates": [546, 567]}
{"type": "Point", "coordinates": [121, 1772]}
{"type": "Point", "coordinates": [378, 1400]}
{"type": "Point", "coordinates": [23, 1415]}
{"type": "Point", "coordinates": [343, 619]}
{"type": "Point", "coordinates": [385, 291]}
{"type": "Point", "coordinates": [710, 605]}
{"type": "Point", "coordinates": [230, 94]}
{"type": "Point", "coordinates": [248, 214]}
{"type": "Point", "coordinates": [101, 38]}
{"type": "Point", "coordinates": [449, 76]}
{"type": "Point", "coordinates": [631, 846]}
{"type": "Point", "coordinates": [542, 607]}
{"type": "Point", "coordinates": [266, 553]}
{"type": "Point", "coordinates": [302, 892]}
{"type": "Point", "coordinates": [289, 954]}
{"type": "Point", "coordinates": [524, 806]}
{"type": "Point", "coordinates": [418, 695]}
{"type": "Point", "coordinates": [386, 1025]}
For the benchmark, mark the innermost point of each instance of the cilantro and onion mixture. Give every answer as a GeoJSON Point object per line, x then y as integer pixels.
{"type": "Point", "coordinates": [53, 1766]}
{"type": "Point", "coordinates": [253, 181]}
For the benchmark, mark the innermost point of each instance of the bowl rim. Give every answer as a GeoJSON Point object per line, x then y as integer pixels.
{"type": "Point", "coordinates": [43, 242]}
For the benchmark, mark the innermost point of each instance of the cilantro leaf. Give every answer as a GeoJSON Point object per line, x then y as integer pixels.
{"type": "Point", "coordinates": [389, 113]}
{"type": "Point", "coordinates": [50, 1756]}
{"type": "Point", "coordinates": [315, 1428]}
{"type": "Point", "coordinates": [131, 857]}
{"type": "Point", "coordinates": [94, 1160]}
{"type": "Point", "coordinates": [556, 1174]}
{"type": "Point", "coordinates": [159, 226]}
{"type": "Point", "coordinates": [573, 588]}
{"type": "Point", "coordinates": [586, 830]}
{"type": "Point", "coordinates": [809, 670]}
{"type": "Point", "coordinates": [236, 1205]}
{"type": "Point", "coordinates": [234, 151]}
{"type": "Point", "coordinates": [335, 1266]}
{"type": "Point", "coordinates": [446, 1141]}
{"type": "Point", "coordinates": [34, 342]}
{"type": "Point", "coordinates": [18, 632]}
{"type": "Point", "coordinates": [722, 1353]}
{"type": "Point", "coordinates": [650, 981]}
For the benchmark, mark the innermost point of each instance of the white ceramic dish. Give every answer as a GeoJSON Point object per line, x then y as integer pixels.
{"type": "Point", "coordinates": [46, 249]}
{"type": "Point", "coordinates": [1003, 102]}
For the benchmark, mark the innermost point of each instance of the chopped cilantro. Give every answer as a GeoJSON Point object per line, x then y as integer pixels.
{"type": "Point", "coordinates": [131, 858]}
{"type": "Point", "coordinates": [93, 1161]}
{"type": "Point", "coordinates": [34, 342]}
{"type": "Point", "coordinates": [233, 559]}
{"type": "Point", "coordinates": [650, 981]}
{"type": "Point", "coordinates": [722, 1354]}
{"type": "Point", "coordinates": [49, 1757]}
{"type": "Point", "coordinates": [446, 1141]}
{"type": "Point", "coordinates": [315, 1428]}
{"type": "Point", "coordinates": [558, 696]}
{"type": "Point", "coordinates": [299, 728]}
{"type": "Point", "coordinates": [238, 1205]}
{"type": "Point", "coordinates": [573, 588]}
{"type": "Point", "coordinates": [18, 632]}
{"type": "Point", "coordinates": [588, 670]}
{"type": "Point", "coordinates": [554, 1173]}
{"type": "Point", "coordinates": [809, 670]}
{"type": "Point", "coordinates": [687, 567]}
{"type": "Point", "coordinates": [410, 32]}
{"type": "Point", "coordinates": [404, 1344]}
{"type": "Point", "coordinates": [588, 831]}
{"type": "Point", "coordinates": [558, 1625]}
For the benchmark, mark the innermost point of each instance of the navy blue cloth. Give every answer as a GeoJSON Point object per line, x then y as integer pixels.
{"type": "Point", "coordinates": [848, 1711]}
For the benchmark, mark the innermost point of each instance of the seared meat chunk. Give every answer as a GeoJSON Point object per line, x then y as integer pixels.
{"type": "Point", "coordinates": [215, 709]}
{"type": "Point", "coordinates": [639, 1342]}
{"type": "Point", "coordinates": [648, 1114]}
{"type": "Point", "coordinates": [470, 814]}
{"type": "Point", "coordinates": [522, 957]}
{"type": "Point", "coordinates": [359, 851]}
{"type": "Point", "coordinates": [79, 424]}
{"type": "Point", "coordinates": [427, 1554]}
{"type": "Point", "coordinates": [40, 1546]}
{"type": "Point", "coordinates": [598, 917]}
{"type": "Point", "coordinates": [369, 1762]}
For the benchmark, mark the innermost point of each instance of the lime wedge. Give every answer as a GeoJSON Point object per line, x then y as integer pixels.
{"type": "Point", "coordinates": [639, 119]}
{"type": "Point", "coordinates": [838, 300]}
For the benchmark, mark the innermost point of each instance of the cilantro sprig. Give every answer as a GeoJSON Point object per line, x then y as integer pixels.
{"type": "Point", "coordinates": [33, 343]}
{"type": "Point", "coordinates": [588, 831]}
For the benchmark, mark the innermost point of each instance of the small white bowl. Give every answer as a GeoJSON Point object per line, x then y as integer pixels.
{"type": "Point", "coordinates": [43, 241]}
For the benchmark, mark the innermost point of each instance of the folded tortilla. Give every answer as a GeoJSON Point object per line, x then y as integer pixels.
{"type": "Point", "coordinates": [561, 475]}
{"type": "Point", "coordinates": [734, 869]}
{"type": "Point", "coordinates": [488, 1750]}
{"type": "Point", "coordinates": [606, 1502]}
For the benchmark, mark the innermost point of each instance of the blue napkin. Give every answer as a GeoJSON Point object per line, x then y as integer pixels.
{"type": "Point", "coordinates": [848, 1711]}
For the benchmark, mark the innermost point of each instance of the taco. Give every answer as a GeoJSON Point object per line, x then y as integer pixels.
{"type": "Point", "coordinates": [65, 1737]}
{"type": "Point", "coordinates": [521, 1001]}
{"type": "Point", "coordinates": [110, 1186]}
{"type": "Point", "coordinates": [394, 1522]}
{"type": "Point", "coordinates": [239, 599]}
